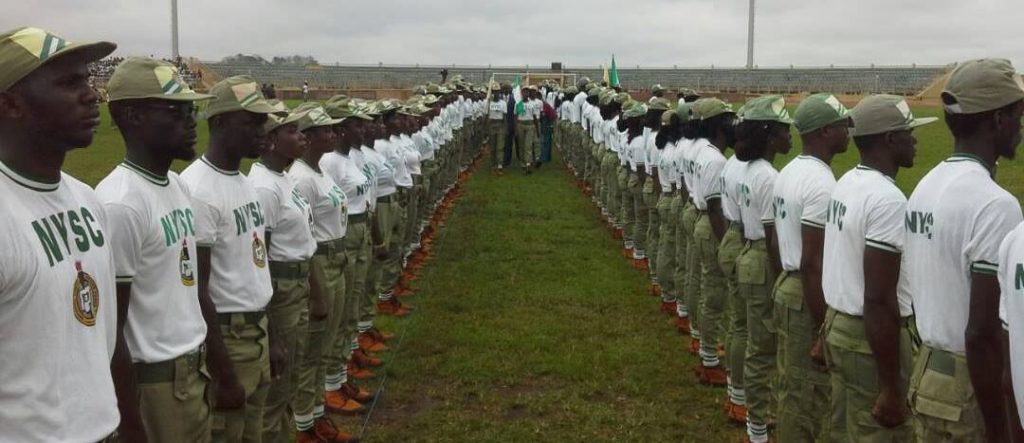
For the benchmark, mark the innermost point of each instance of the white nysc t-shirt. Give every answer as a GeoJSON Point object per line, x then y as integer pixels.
{"type": "Point", "coordinates": [865, 210]}
{"type": "Point", "coordinates": [326, 200]}
{"type": "Point", "coordinates": [58, 312]}
{"type": "Point", "coordinates": [802, 193]}
{"type": "Point", "coordinates": [154, 244]}
{"type": "Point", "coordinates": [731, 178]}
{"type": "Point", "coordinates": [229, 221]}
{"type": "Point", "coordinates": [288, 217]}
{"type": "Point", "coordinates": [955, 221]}
{"type": "Point", "coordinates": [756, 188]}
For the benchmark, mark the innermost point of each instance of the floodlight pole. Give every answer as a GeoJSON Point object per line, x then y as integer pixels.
{"type": "Point", "coordinates": [750, 37]}
{"type": "Point", "coordinates": [174, 29]}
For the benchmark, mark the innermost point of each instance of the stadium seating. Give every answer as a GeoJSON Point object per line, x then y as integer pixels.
{"type": "Point", "coordinates": [905, 80]}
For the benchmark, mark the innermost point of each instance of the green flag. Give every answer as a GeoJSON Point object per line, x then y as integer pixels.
{"type": "Point", "coordinates": [613, 74]}
{"type": "Point", "coordinates": [517, 93]}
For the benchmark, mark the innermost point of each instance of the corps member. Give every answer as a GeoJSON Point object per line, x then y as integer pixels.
{"type": "Point", "coordinates": [762, 132]}
{"type": "Point", "coordinates": [161, 380]}
{"type": "Point", "coordinates": [956, 218]}
{"type": "Point", "coordinates": [58, 316]}
{"type": "Point", "coordinates": [232, 256]}
{"type": "Point", "coordinates": [868, 326]}
{"type": "Point", "coordinates": [801, 198]}
{"type": "Point", "coordinates": [717, 119]}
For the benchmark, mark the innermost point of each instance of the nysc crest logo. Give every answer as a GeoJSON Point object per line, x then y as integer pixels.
{"type": "Point", "coordinates": [188, 277]}
{"type": "Point", "coordinates": [85, 297]}
{"type": "Point", "coordinates": [259, 252]}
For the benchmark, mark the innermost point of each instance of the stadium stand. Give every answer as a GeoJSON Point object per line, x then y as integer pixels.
{"type": "Point", "coordinates": [903, 80]}
{"type": "Point", "coordinates": [906, 80]}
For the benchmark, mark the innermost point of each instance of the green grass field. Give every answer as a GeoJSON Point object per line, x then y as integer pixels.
{"type": "Point", "coordinates": [530, 326]}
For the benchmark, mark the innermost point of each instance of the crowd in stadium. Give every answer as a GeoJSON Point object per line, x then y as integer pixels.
{"type": "Point", "coordinates": [215, 305]}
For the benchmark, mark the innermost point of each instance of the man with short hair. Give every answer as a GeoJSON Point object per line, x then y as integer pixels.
{"type": "Point", "coordinates": [232, 253]}
{"type": "Point", "coordinates": [57, 270]}
{"type": "Point", "coordinates": [801, 198]}
{"type": "Point", "coordinates": [867, 325]}
{"type": "Point", "coordinates": [153, 238]}
{"type": "Point", "coordinates": [956, 218]}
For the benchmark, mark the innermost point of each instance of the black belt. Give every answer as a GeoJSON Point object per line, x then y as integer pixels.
{"type": "Point", "coordinates": [164, 371]}
{"type": "Point", "coordinates": [250, 318]}
{"type": "Point", "coordinates": [292, 270]}
{"type": "Point", "coordinates": [385, 199]}
{"type": "Point", "coordinates": [358, 218]}
{"type": "Point", "coordinates": [330, 248]}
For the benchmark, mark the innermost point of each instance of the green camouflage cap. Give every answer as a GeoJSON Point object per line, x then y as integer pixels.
{"type": "Point", "coordinates": [572, 90]}
{"type": "Point", "coordinates": [582, 83]}
{"type": "Point", "coordinates": [238, 93]}
{"type": "Point", "coordinates": [686, 92]}
{"type": "Point", "coordinates": [338, 98]}
{"type": "Point", "coordinates": [315, 118]}
{"type": "Point", "coordinates": [605, 97]}
{"type": "Point", "coordinates": [24, 50]}
{"type": "Point", "coordinates": [706, 108]}
{"type": "Point", "coordinates": [982, 85]}
{"type": "Point", "coordinates": [881, 113]}
{"type": "Point", "coordinates": [817, 111]}
{"type": "Point", "coordinates": [659, 104]}
{"type": "Point", "coordinates": [140, 77]}
{"type": "Point", "coordinates": [306, 106]}
{"type": "Point", "coordinates": [346, 110]}
{"type": "Point", "coordinates": [594, 92]}
{"type": "Point", "coordinates": [433, 88]}
{"type": "Point", "coordinates": [636, 110]}
{"type": "Point", "coordinates": [685, 112]}
{"type": "Point", "coordinates": [430, 99]}
{"type": "Point", "coordinates": [419, 90]}
{"type": "Point", "coordinates": [657, 88]}
{"type": "Point", "coordinates": [277, 121]}
{"type": "Point", "coordinates": [771, 108]}
{"type": "Point", "coordinates": [666, 117]}
{"type": "Point", "coordinates": [622, 97]}
{"type": "Point", "coordinates": [591, 86]}
{"type": "Point", "coordinates": [279, 105]}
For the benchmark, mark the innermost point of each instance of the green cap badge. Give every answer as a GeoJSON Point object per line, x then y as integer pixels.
{"type": "Point", "coordinates": [817, 111]}
{"type": "Point", "coordinates": [765, 108]}
{"type": "Point", "coordinates": [982, 85]}
{"type": "Point", "coordinates": [24, 50]}
{"type": "Point", "coordinates": [636, 110]}
{"type": "Point", "coordinates": [238, 93]}
{"type": "Point", "coordinates": [140, 77]}
{"type": "Point", "coordinates": [706, 108]}
{"type": "Point", "coordinates": [659, 104]}
{"type": "Point", "coordinates": [315, 118]}
{"type": "Point", "coordinates": [877, 114]}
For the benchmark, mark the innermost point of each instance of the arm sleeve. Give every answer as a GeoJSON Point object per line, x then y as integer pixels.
{"type": "Point", "coordinates": [710, 180]}
{"type": "Point", "coordinates": [991, 225]}
{"type": "Point", "coordinates": [271, 205]}
{"type": "Point", "coordinates": [766, 198]}
{"type": "Point", "coordinates": [125, 227]}
{"type": "Point", "coordinates": [206, 220]}
{"type": "Point", "coordinates": [883, 224]}
{"type": "Point", "coordinates": [816, 205]}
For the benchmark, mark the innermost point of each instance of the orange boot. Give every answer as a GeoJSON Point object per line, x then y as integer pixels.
{"type": "Point", "coordinates": [668, 307]}
{"type": "Point", "coordinates": [325, 429]}
{"type": "Point", "coordinates": [683, 325]}
{"type": "Point", "coordinates": [337, 402]}
{"type": "Point", "coordinates": [365, 360]}
{"type": "Point", "coordinates": [368, 344]}
{"type": "Point", "coordinates": [714, 376]}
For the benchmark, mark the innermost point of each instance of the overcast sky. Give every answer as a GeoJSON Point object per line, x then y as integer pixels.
{"type": "Point", "coordinates": [665, 33]}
